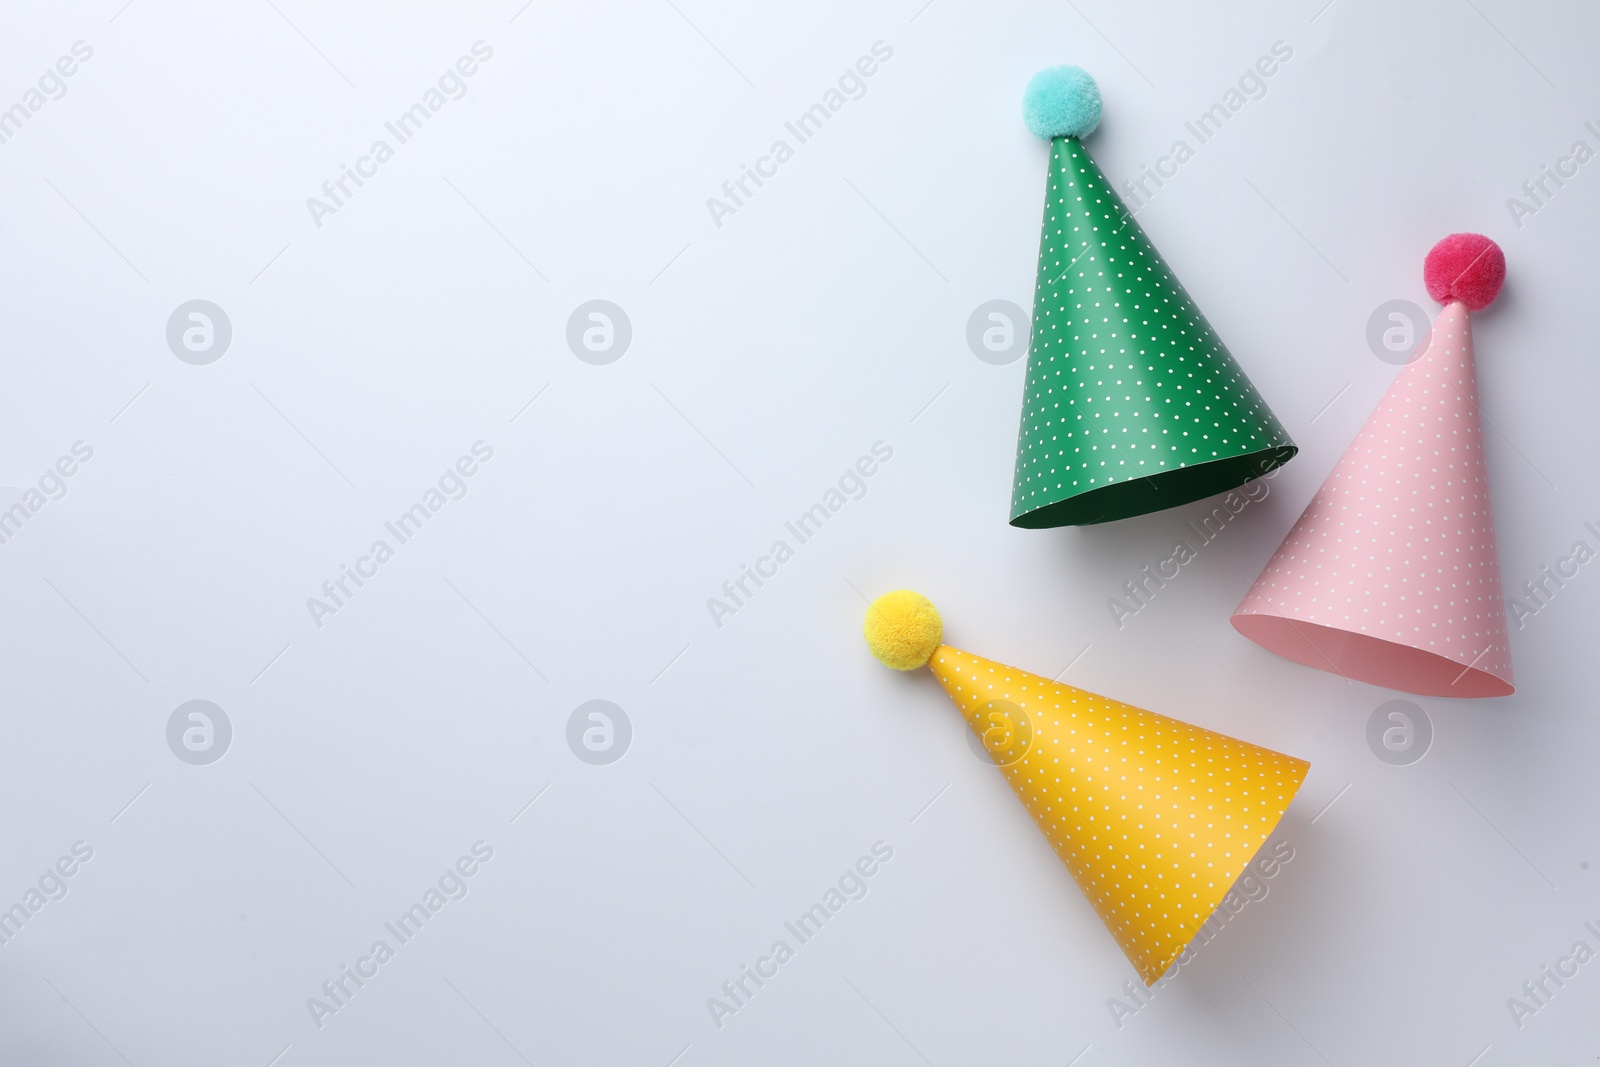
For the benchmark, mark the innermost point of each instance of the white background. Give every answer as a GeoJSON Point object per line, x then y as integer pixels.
{"type": "Point", "coordinates": [768, 353]}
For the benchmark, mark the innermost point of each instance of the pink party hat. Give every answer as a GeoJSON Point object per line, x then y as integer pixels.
{"type": "Point", "coordinates": [1391, 576]}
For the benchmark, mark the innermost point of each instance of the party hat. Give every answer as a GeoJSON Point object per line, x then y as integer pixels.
{"type": "Point", "coordinates": [1392, 576]}
{"type": "Point", "coordinates": [1154, 818]}
{"type": "Point", "coordinates": [1132, 403]}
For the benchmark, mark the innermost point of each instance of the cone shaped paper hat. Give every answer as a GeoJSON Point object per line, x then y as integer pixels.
{"type": "Point", "coordinates": [1392, 575]}
{"type": "Point", "coordinates": [1154, 818]}
{"type": "Point", "coordinates": [1132, 403]}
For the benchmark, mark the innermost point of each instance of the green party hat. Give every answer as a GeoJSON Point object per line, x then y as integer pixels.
{"type": "Point", "coordinates": [1132, 403]}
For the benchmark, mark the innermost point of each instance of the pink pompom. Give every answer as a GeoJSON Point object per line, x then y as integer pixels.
{"type": "Point", "coordinates": [1467, 267]}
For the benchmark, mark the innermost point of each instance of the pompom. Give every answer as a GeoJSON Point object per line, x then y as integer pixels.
{"type": "Point", "coordinates": [1467, 267]}
{"type": "Point", "coordinates": [1061, 102]}
{"type": "Point", "coordinates": [902, 629]}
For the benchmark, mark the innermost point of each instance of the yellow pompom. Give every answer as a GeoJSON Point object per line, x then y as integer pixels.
{"type": "Point", "coordinates": [902, 629]}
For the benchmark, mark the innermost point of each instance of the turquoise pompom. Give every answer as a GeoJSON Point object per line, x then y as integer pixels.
{"type": "Point", "coordinates": [1061, 102]}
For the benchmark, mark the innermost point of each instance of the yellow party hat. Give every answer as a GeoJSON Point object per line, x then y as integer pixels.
{"type": "Point", "coordinates": [1154, 818]}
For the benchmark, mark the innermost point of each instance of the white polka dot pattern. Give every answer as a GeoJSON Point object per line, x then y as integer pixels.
{"type": "Point", "coordinates": [1126, 379]}
{"type": "Point", "coordinates": [1154, 818]}
{"type": "Point", "coordinates": [1398, 546]}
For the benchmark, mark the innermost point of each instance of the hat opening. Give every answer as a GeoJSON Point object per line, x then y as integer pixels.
{"type": "Point", "coordinates": [1364, 658]}
{"type": "Point", "coordinates": [1169, 488]}
{"type": "Point", "coordinates": [1217, 895]}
